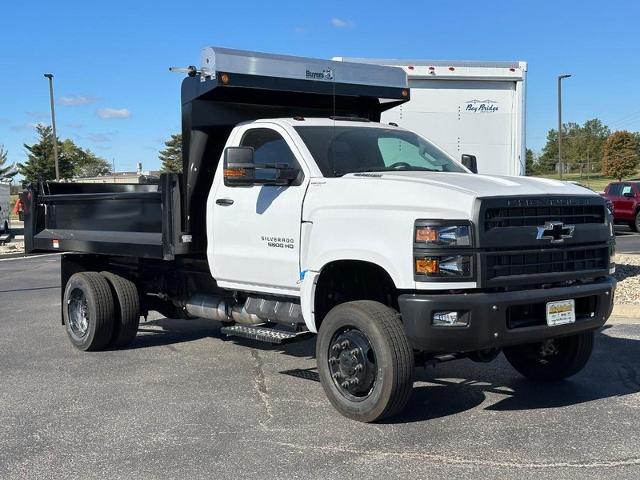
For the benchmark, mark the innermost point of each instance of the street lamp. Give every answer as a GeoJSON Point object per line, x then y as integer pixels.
{"type": "Point", "coordinates": [560, 77]}
{"type": "Point", "coordinates": [53, 125]}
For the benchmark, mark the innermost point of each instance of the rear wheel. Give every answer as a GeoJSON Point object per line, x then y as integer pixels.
{"type": "Point", "coordinates": [635, 224]}
{"type": "Point", "coordinates": [552, 360]}
{"type": "Point", "coordinates": [88, 311]}
{"type": "Point", "coordinates": [365, 361]}
{"type": "Point", "coordinates": [127, 309]}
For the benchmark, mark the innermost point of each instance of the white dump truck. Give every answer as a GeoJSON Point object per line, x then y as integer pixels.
{"type": "Point", "coordinates": [299, 213]}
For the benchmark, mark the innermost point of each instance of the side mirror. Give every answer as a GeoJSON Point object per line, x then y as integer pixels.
{"type": "Point", "coordinates": [240, 170]}
{"type": "Point", "coordinates": [470, 162]}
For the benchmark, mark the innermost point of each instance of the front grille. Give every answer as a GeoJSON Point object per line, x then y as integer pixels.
{"type": "Point", "coordinates": [532, 216]}
{"type": "Point", "coordinates": [549, 261]}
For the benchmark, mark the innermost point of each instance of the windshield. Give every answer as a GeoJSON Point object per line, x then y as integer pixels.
{"type": "Point", "coordinates": [339, 150]}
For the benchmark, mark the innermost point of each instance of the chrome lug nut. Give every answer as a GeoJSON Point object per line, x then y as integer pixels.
{"type": "Point", "coordinates": [333, 360]}
{"type": "Point", "coordinates": [345, 384]}
{"type": "Point", "coordinates": [355, 352]}
{"type": "Point", "coordinates": [336, 348]}
{"type": "Point", "coordinates": [358, 368]}
{"type": "Point", "coordinates": [345, 344]}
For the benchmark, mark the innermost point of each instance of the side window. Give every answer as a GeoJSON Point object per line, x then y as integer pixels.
{"type": "Point", "coordinates": [626, 189]}
{"type": "Point", "coordinates": [269, 147]}
{"type": "Point", "coordinates": [615, 189]}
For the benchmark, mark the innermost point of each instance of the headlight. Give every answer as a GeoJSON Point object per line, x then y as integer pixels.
{"type": "Point", "coordinates": [443, 251]}
{"type": "Point", "coordinates": [444, 266]}
{"type": "Point", "coordinates": [447, 235]}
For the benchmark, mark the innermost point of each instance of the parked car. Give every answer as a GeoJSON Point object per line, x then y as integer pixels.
{"type": "Point", "coordinates": [625, 197]}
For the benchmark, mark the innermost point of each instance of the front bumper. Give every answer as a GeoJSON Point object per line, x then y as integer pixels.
{"type": "Point", "coordinates": [500, 319]}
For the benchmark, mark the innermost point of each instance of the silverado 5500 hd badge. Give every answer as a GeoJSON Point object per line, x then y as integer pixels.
{"type": "Point", "coordinates": [278, 242]}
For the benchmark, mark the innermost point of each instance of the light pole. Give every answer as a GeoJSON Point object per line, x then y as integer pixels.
{"type": "Point", "coordinates": [560, 77]}
{"type": "Point", "coordinates": [53, 125]}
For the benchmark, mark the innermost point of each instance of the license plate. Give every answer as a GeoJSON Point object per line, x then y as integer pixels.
{"type": "Point", "coordinates": [561, 312]}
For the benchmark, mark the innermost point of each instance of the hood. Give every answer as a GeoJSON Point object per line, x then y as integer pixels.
{"type": "Point", "coordinates": [480, 186]}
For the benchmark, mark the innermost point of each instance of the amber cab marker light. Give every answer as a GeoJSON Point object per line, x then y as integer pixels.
{"type": "Point", "coordinates": [426, 266]}
{"type": "Point", "coordinates": [224, 78]}
{"type": "Point", "coordinates": [405, 93]}
{"type": "Point", "coordinates": [234, 172]}
{"type": "Point", "coordinates": [427, 234]}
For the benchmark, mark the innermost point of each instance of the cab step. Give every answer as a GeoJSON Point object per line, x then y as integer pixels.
{"type": "Point", "coordinates": [264, 334]}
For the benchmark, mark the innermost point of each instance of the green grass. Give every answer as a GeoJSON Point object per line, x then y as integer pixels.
{"type": "Point", "coordinates": [596, 181]}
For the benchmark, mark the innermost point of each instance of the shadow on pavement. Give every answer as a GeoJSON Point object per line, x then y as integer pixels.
{"type": "Point", "coordinates": [454, 387]}
{"type": "Point", "coordinates": [611, 372]}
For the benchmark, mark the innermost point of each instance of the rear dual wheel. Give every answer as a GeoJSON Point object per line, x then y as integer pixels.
{"type": "Point", "coordinates": [100, 310]}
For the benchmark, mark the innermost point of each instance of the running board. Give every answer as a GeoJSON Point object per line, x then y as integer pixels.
{"type": "Point", "coordinates": [264, 334]}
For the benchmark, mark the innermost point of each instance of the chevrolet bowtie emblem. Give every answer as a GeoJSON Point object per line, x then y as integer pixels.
{"type": "Point", "coordinates": [555, 231]}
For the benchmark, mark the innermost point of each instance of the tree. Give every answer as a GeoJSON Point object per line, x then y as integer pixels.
{"type": "Point", "coordinates": [40, 164]}
{"type": "Point", "coordinates": [85, 162]}
{"type": "Point", "coordinates": [620, 155]}
{"type": "Point", "coordinates": [171, 157]}
{"type": "Point", "coordinates": [530, 162]}
{"type": "Point", "coordinates": [6, 171]}
{"type": "Point", "coordinates": [581, 144]}
{"type": "Point", "coordinates": [72, 160]}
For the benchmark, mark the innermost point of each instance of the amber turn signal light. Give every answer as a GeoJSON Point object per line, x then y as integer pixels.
{"type": "Point", "coordinates": [427, 266]}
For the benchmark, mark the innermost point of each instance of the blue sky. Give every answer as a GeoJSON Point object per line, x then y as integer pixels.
{"type": "Point", "coordinates": [115, 95]}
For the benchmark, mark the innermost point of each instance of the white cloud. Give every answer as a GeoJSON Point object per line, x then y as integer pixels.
{"type": "Point", "coordinates": [300, 30]}
{"type": "Point", "coordinates": [99, 137]}
{"type": "Point", "coordinates": [75, 100]}
{"type": "Point", "coordinates": [340, 23]}
{"type": "Point", "coordinates": [113, 112]}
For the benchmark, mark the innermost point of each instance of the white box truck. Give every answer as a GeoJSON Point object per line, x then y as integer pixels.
{"type": "Point", "coordinates": [466, 107]}
{"type": "Point", "coordinates": [5, 207]}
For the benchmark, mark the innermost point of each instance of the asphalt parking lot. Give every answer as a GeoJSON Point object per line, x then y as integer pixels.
{"type": "Point", "coordinates": [182, 402]}
{"type": "Point", "coordinates": [627, 241]}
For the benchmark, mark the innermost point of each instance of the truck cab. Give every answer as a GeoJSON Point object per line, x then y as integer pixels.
{"type": "Point", "coordinates": [299, 213]}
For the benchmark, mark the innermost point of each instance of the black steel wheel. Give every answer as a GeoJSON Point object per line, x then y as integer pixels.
{"type": "Point", "coordinates": [365, 362]}
{"type": "Point", "coordinates": [88, 311]}
{"type": "Point", "coordinates": [352, 364]}
{"type": "Point", "coordinates": [553, 359]}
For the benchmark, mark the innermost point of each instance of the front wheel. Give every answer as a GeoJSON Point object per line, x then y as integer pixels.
{"type": "Point", "coordinates": [553, 359]}
{"type": "Point", "coordinates": [365, 361]}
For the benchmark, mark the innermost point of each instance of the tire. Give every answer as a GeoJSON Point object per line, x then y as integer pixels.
{"type": "Point", "coordinates": [88, 311]}
{"type": "Point", "coordinates": [377, 342]}
{"type": "Point", "coordinates": [635, 224]}
{"type": "Point", "coordinates": [568, 356]}
{"type": "Point", "coordinates": [127, 309]}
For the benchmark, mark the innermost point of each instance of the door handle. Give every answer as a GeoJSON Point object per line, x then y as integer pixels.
{"type": "Point", "coordinates": [225, 202]}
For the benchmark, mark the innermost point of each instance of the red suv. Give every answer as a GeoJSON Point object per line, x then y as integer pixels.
{"type": "Point", "coordinates": [625, 197]}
